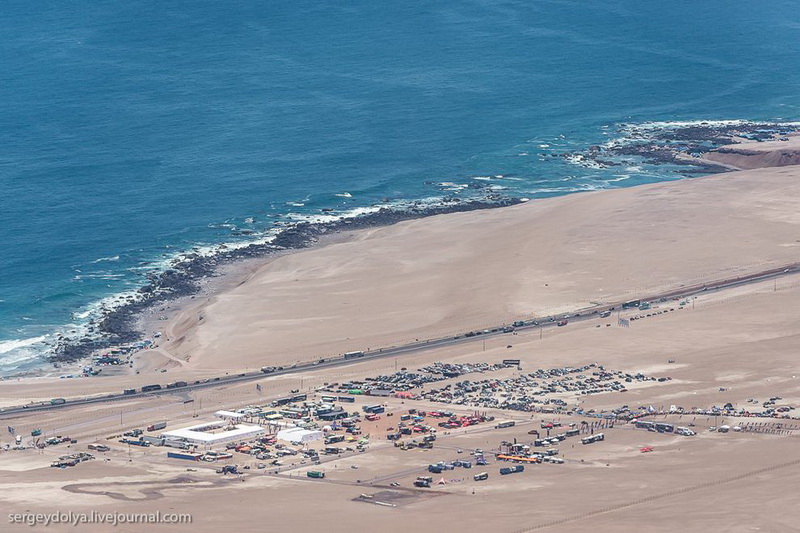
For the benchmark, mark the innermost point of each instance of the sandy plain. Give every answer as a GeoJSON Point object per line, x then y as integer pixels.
{"type": "Point", "coordinates": [461, 272]}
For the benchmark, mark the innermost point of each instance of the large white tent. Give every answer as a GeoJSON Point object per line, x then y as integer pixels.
{"type": "Point", "coordinates": [215, 432]}
{"type": "Point", "coordinates": [299, 435]}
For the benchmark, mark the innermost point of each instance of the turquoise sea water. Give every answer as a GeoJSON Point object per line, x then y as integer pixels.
{"type": "Point", "coordinates": [132, 131]}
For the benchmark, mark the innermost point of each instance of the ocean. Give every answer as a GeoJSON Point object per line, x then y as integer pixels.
{"type": "Point", "coordinates": [132, 132]}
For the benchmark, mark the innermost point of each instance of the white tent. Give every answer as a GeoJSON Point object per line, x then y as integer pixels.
{"type": "Point", "coordinates": [229, 415]}
{"type": "Point", "coordinates": [299, 435]}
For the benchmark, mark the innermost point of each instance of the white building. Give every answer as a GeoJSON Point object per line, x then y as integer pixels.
{"type": "Point", "coordinates": [215, 432]}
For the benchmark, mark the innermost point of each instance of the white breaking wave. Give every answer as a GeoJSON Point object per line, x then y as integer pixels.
{"type": "Point", "coordinates": [102, 259]}
{"type": "Point", "coordinates": [16, 344]}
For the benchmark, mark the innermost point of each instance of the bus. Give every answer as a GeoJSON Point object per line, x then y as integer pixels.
{"type": "Point", "coordinates": [483, 476]}
{"type": "Point", "coordinates": [374, 409]}
{"type": "Point", "coordinates": [506, 424]}
{"type": "Point", "coordinates": [347, 399]}
{"type": "Point", "coordinates": [328, 399]}
{"type": "Point", "coordinates": [353, 355]}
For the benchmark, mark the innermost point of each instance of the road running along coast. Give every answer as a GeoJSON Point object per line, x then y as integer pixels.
{"type": "Point", "coordinates": [417, 346]}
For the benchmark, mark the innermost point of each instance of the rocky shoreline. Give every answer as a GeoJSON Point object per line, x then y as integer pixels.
{"type": "Point", "coordinates": [119, 326]}
{"type": "Point", "coordinates": [683, 146]}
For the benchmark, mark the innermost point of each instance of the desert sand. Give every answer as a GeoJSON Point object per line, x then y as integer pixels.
{"type": "Point", "coordinates": [753, 154]}
{"type": "Point", "coordinates": [460, 272]}
{"type": "Point", "coordinates": [455, 273]}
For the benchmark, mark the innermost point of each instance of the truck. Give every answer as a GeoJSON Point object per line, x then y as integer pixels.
{"type": "Point", "coordinates": [605, 314]}
{"type": "Point", "coordinates": [267, 369]}
{"type": "Point", "coordinates": [156, 426]}
{"type": "Point", "coordinates": [128, 392]}
{"type": "Point", "coordinates": [142, 443]}
{"type": "Point", "coordinates": [151, 388]}
{"type": "Point", "coordinates": [512, 470]}
{"type": "Point", "coordinates": [353, 355]}
{"type": "Point", "coordinates": [99, 447]}
{"type": "Point", "coordinates": [483, 476]}
{"type": "Point", "coordinates": [189, 456]}
{"type": "Point", "coordinates": [423, 481]}
{"type": "Point", "coordinates": [315, 474]}
{"type": "Point", "coordinates": [506, 424]}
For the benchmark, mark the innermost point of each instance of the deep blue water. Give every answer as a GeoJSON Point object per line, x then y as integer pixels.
{"type": "Point", "coordinates": [131, 131]}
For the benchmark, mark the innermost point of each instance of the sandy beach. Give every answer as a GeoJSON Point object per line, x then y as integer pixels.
{"type": "Point", "coordinates": [454, 273]}
{"type": "Point", "coordinates": [461, 272]}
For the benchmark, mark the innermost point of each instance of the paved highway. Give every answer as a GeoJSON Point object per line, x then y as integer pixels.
{"type": "Point", "coordinates": [587, 313]}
